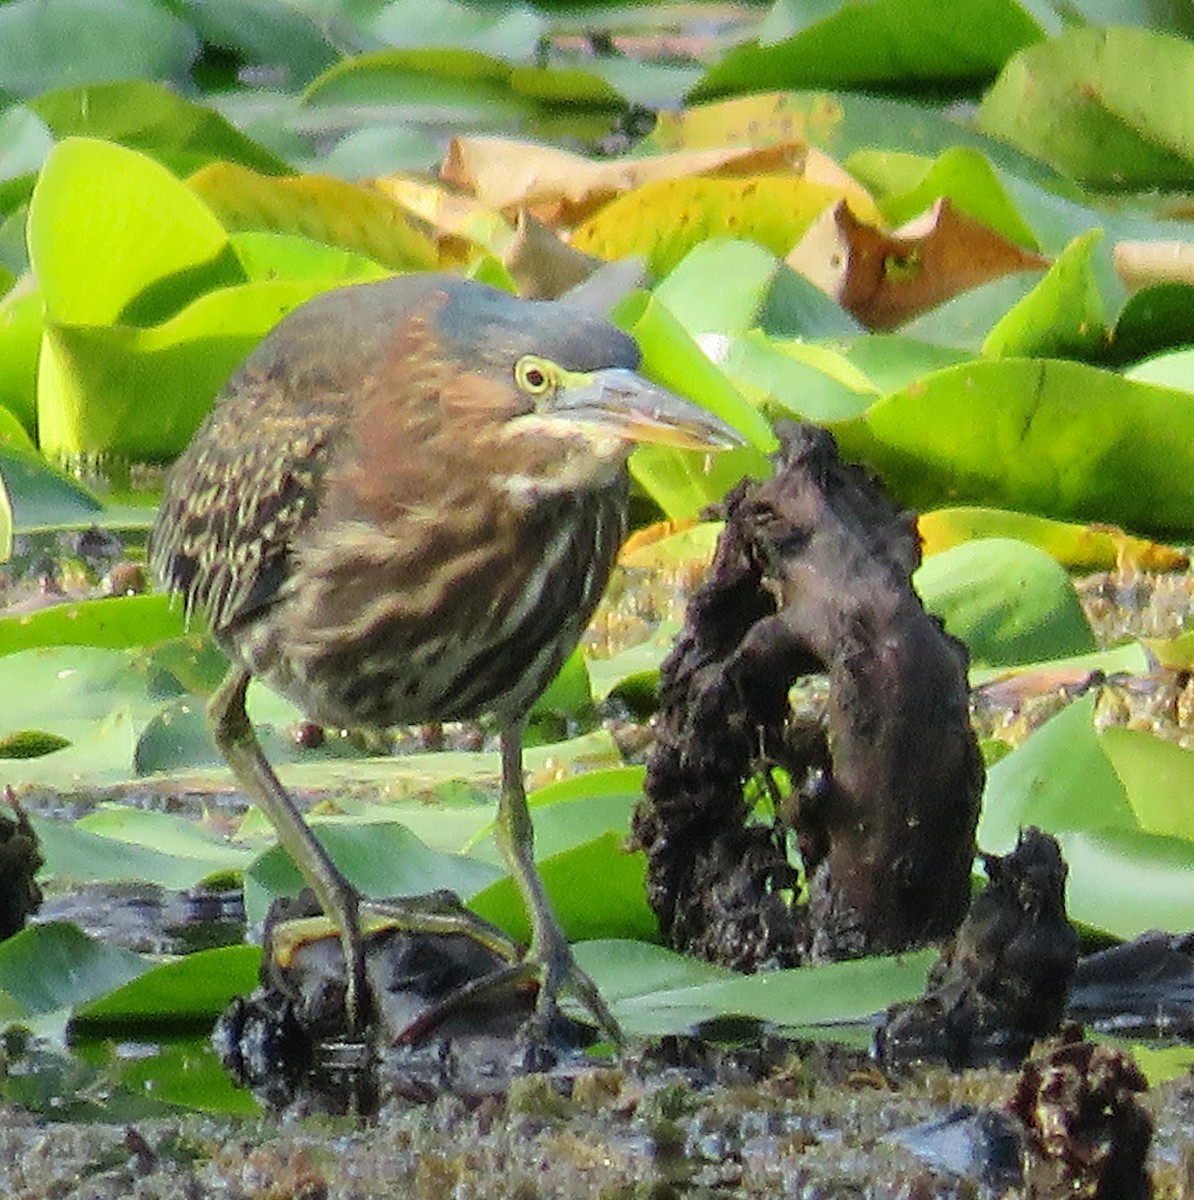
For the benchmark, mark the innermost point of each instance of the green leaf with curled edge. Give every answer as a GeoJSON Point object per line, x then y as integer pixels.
{"type": "Point", "coordinates": [1063, 316]}
{"type": "Point", "coordinates": [1059, 779]}
{"type": "Point", "coordinates": [907, 184]}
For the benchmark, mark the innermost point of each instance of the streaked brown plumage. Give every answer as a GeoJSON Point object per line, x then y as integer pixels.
{"type": "Point", "coordinates": [404, 508]}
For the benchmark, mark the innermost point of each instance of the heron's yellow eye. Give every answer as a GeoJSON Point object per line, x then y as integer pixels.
{"type": "Point", "coordinates": [534, 375]}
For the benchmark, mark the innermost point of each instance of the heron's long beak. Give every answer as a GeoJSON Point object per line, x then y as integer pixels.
{"type": "Point", "coordinates": [622, 402]}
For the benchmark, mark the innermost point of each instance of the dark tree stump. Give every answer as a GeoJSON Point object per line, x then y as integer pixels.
{"type": "Point", "coordinates": [811, 575]}
{"type": "Point", "coordinates": [20, 860]}
{"type": "Point", "coordinates": [1003, 980]}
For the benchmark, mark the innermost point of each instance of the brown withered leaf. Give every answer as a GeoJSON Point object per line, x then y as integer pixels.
{"type": "Point", "coordinates": [562, 188]}
{"type": "Point", "coordinates": [1020, 686]}
{"type": "Point", "coordinates": [543, 265]}
{"type": "Point", "coordinates": [885, 279]}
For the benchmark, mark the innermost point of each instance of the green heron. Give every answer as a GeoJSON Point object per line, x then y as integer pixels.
{"type": "Point", "coordinates": [404, 508]}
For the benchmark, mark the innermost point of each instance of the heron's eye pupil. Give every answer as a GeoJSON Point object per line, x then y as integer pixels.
{"type": "Point", "coordinates": [535, 378]}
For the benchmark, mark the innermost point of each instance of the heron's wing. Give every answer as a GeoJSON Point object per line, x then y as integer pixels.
{"type": "Point", "coordinates": [250, 479]}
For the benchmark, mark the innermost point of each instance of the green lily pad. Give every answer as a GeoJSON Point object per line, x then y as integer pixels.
{"type": "Point", "coordinates": [189, 991]}
{"type": "Point", "coordinates": [1059, 779]}
{"type": "Point", "coordinates": [910, 184]}
{"type": "Point", "coordinates": [143, 392]}
{"type": "Point", "coordinates": [804, 379]}
{"type": "Point", "coordinates": [573, 811]}
{"type": "Point", "coordinates": [1057, 438]}
{"type": "Point", "coordinates": [106, 223]}
{"type": "Point", "coordinates": [1173, 370]}
{"type": "Point", "coordinates": [49, 43]}
{"type": "Point", "coordinates": [262, 31]}
{"type": "Point", "coordinates": [458, 86]}
{"type": "Point", "coordinates": [683, 482]}
{"type": "Point", "coordinates": [655, 992]}
{"type": "Point", "coordinates": [1008, 601]}
{"type": "Point", "coordinates": [182, 134]}
{"type": "Point", "coordinates": [612, 905]}
{"type": "Point", "coordinates": [382, 860]}
{"type": "Point", "coordinates": [111, 622]}
{"type": "Point", "coordinates": [166, 833]}
{"type": "Point", "coordinates": [55, 966]}
{"type": "Point", "coordinates": [1086, 102]}
{"type": "Point", "coordinates": [511, 35]}
{"type": "Point", "coordinates": [724, 286]}
{"type": "Point", "coordinates": [42, 496]}
{"type": "Point", "coordinates": [1158, 777]}
{"type": "Point", "coordinates": [849, 44]}
{"type": "Point", "coordinates": [1124, 882]}
{"type": "Point", "coordinates": [1153, 320]}
{"type": "Point", "coordinates": [21, 323]}
{"type": "Point", "coordinates": [1063, 316]}
{"type": "Point", "coordinates": [76, 855]}
{"type": "Point", "coordinates": [266, 255]}
{"type": "Point", "coordinates": [318, 207]}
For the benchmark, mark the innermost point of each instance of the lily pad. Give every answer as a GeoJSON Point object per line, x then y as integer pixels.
{"type": "Point", "coordinates": [48, 43]}
{"type": "Point", "coordinates": [382, 860]}
{"type": "Point", "coordinates": [1008, 601]}
{"type": "Point", "coordinates": [1125, 882]}
{"type": "Point", "coordinates": [1057, 438]}
{"type": "Point", "coordinates": [1063, 316]}
{"type": "Point", "coordinates": [1059, 779]}
{"type": "Point", "coordinates": [189, 991]}
{"type": "Point", "coordinates": [616, 908]}
{"type": "Point", "coordinates": [106, 222]}
{"type": "Point", "coordinates": [55, 966]}
{"type": "Point", "coordinates": [655, 992]}
{"type": "Point", "coordinates": [111, 622]}
{"type": "Point", "coordinates": [1086, 103]}
{"type": "Point", "coordinates": [849, 44]}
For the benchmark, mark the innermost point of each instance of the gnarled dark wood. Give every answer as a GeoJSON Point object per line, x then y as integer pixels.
{"type": "Point", "coordinates": [811, 575]}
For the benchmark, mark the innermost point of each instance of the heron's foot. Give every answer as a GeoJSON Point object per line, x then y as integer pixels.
{"type": "Point", "coordinates": [558, 973]}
